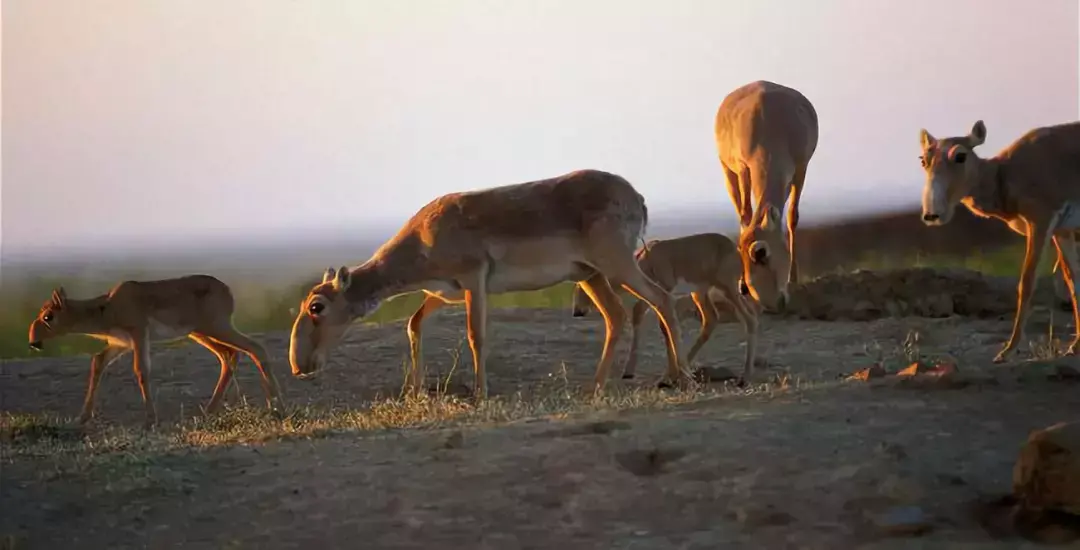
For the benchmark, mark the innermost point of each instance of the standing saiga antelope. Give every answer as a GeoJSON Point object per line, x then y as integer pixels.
{"type": "Point", "coordinates": [1033, 185]}
{"type": "Point", "coordinates": [461, 247]}
{"type": "Point", "coordinates": [135, 314]}
{"type": "Point", "coordinates": [713, 267]}
{"type": "Point", "coordinates": [765, 135]}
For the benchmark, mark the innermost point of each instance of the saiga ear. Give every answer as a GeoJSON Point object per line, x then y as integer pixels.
{"type": "Point", "coordinates": [925, 139]}
{"type": "Point", "coordinates": [328, 275]}
{"type": "Point", "coordinates": [342, 279]}
{"type": "Point", "coordinates": [977, 135]}
{"type": "Point", "coordinates": [59, 296]}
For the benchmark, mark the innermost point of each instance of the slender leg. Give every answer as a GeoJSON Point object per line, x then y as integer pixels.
{"type": "Point", "coordinates": [745, 313]}
{"type": "Point", "coordinates": [1066, 246]}
{"type": "Point", "coordinates": [418, 373]}
{"type": "Point", "coordinates": [98, 363]}
{"type": "Point", "coordinates": [476, 324]}
{"type": "Point", "coordinates": [708, 321]}
{"type": "Point", "coordinates": [643, 288]}
{"type": "Point", "coordinates": [636, 315]}
{"type": "Point", "coordinates": [613, 258]}
{"type": "Point", "coordinates": [739, 189]}
{"type": "Point", "coordinates": [229, 337]}
{"type": "Point", "coordinates": [227, 357]}
{"type": "Point", "coordinates": [1036, 241]}
{"type": "Point", "coordinates": [793, 220]}
{"type": "Point", "coordinates": [607, 301]}
{"type": "Point", "coordinates": [141, 366]}
{"type": "Point", "coordinates": [580, 302]}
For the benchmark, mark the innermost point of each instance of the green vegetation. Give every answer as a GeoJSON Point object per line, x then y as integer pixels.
{"type": "Point", "coordinates": [259, 309]}
{"type": "Point", "coordinates": [1004, 261]}
{"type": "Point", "coordinates": [266, 308]}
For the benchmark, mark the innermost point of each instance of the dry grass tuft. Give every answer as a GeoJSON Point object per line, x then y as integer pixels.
{"type": "Point", "coordinates": [127, 457]}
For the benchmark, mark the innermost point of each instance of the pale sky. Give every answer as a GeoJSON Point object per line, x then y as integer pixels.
{"type": "Point", "coordinates": [151, 119]}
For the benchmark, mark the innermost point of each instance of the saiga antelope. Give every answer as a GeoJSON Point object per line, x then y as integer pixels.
{"type": "Point", "coordinates": [766, 134]}
{"type": "Point", "coordinates": [135, 314]}
{"type": "Point", "coordinates": [708, 262]}
{"type": "Point", "coordinates": [461, 247]}
{"type": "Point", "coordinates": [1033, 185]}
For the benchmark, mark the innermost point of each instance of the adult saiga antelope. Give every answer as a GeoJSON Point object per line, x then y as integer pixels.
{"type": "Point", "coordinates": [135, 314]}
{"type": "Point", "coordinates": [713, 267]}
{"type": "Point", "coordinates": [766, 134]}
{"type": "Point", "coordinates": [1033, 185]}
{"type": "Point", "coordinates": [461, 247]}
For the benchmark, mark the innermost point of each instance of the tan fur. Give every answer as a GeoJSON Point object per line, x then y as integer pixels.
{"type": "Point", "coordinates": [711, 264]}
{"type": "Point", "coordinates": [766, 134]}
{"type": "Point", "coordinates": [1033, 185]}
{"type": "Point", "coordinates": [135, 314]}
{"type": "Point", "coordinates": [460, 247]}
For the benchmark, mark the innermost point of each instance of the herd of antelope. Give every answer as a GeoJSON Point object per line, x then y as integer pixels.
{"type": "Point", "coordinates": [585, 227]}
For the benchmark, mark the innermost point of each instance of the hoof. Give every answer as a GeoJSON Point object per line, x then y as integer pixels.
{"type": "Point", "coordinates": [578, 313]}
{"type": "Point", "coordinates": [628, 377]}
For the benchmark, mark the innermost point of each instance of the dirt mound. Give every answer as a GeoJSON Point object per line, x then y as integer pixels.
{"type": "Point", "coordinates": [922, 292]}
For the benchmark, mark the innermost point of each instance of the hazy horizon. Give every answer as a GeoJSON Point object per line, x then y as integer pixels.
{"type": "Point", "coordinates": [136, 122]}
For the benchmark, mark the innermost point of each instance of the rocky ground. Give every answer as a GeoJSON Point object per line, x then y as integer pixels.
{"type": "Point", "coordinates": [801, 459]}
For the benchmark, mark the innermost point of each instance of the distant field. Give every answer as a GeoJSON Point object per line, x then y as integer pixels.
{"type": "Point", "coordinates": [262, 308]}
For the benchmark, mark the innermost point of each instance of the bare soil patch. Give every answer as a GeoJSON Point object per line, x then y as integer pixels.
{"type": "Point", "coordinates": [813, 462]}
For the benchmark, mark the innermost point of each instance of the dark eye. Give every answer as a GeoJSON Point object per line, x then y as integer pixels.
{"type": "Point", "coordinates": [47, 317]}
{"type": "Point", "coordinates": [316, 308]}
{"type": "Point", "coordinates": [760, 256]}
{"type": "Point", "coordinates": [960, 157]}
{"type": "Point", "coordinates": [922, 161]}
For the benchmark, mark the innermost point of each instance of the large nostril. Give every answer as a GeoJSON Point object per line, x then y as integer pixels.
{"type": "Point", "coordinates": [930, 217]}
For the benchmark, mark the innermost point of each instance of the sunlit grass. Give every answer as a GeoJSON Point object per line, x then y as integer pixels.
{"type": "Point", "coordinates": [126, 457]}
{"type": "Point", "coordinates": [263, 308]}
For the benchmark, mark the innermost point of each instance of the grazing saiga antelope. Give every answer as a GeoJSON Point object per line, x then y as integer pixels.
{"type": "Point", "coordinates": [708, 262]}
{"type": "Point", "coordinates": [1033, 185]}
{"type": "Point", "coordinates": [461, 247]}
{"type": "Point", "coordinates": [765, 135]}
{"type": "Point", "coordinates": [135, 314]}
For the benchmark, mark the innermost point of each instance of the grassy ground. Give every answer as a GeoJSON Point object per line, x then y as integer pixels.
{"type": "Point", "coordinates": [261, 309]}
{"type": "Point", "coordinates": [799, 458]}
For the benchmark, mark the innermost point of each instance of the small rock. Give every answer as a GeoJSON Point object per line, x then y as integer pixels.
{"type": "Point", "coordinates": [1047, 473]}
{"type": "Point", "coordinates": [1065, 372]}
{"type": "Point", "coordinates": [891, 450]}
{"type": "Point", "coordinates": [454, 441]}
{"type": "Point", "coordinates": [713, 374]}
{"type": "Point", "coordinates": [943, 369]}
{"type": "Point", "coordinates": [864, 310]}
{"type": "Point", "coordinates": [901, 489]}
{"type": "Point", "coordinates": [940, 376]}
{"type": "Point", "coordinates": [869, 373]}
{"type": "Point", "coordinates": [904, 521]}
{"type": "Point", "coordinates": [762, 516]}
{"type": "Point", "coordinates": [915, 368]}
